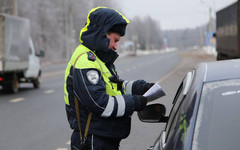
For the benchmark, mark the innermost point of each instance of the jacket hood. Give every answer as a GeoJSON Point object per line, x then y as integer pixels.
{"type": "Point", "coordinates": [99, 21]}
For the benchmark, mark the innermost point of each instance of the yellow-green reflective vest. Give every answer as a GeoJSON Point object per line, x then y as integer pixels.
{"type": "Point", "coordinates": [84, 63]}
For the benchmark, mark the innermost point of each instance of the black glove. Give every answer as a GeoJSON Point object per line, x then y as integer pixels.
{"type": "Point", "coordinates": [140, 102]}
{"type": "Point", "coordinates": [148, 86]}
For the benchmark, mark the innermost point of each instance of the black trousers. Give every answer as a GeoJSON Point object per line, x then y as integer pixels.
{"type": "Point", "coordinates": [94, 142]}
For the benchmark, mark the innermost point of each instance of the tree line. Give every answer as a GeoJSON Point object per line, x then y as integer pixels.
{"type": "Point", "coordinates": [183, 38]}
{"type": "Point", "coordinates": [55, 26]}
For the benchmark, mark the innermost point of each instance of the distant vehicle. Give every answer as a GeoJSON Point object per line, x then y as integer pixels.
{"type": "Point", "coordinates": [205, 111]}
{"type": "Point", "coordinates": [18, 59]}
{"type": "Point", "coordinates": [228, 32]}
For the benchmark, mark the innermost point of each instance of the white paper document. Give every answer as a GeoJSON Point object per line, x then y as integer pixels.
{"type": "Point", "coordinates": [154, 92]}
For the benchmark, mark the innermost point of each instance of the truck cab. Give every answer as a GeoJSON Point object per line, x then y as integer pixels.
{"type": "Point", "coordinates": [33, 73]}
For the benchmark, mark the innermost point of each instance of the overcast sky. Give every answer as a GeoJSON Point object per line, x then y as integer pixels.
{"type": "Point", "coordinates": [174, 14]}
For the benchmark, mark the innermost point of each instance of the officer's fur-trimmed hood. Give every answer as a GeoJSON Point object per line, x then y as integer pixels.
{"type": "Point", "coordinates": [99, 21]}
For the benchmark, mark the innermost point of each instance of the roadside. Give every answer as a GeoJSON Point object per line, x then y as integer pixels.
{"type": "Point", "coordinates": [52, 69]}
{"type": "Point", "coordinates": [121, 55]}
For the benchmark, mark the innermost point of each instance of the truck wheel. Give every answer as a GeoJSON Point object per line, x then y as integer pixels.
{"type": "Point", "coordinates": [219, 57]}
{"type": "Point", "coordinates": [36, 82]}
{"type": "Point", "coordinates": [11, 87]}
{"type": "Point", "coordinates": [15, 86]}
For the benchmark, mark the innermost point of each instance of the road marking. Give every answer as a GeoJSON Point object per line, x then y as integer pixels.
{"type": "Point", "coordinates": [49, 91]}
{"type": "Point", "coordinates": [16, 100]}
{"type": "Point", "coordinates": [61, 149]}
{"type": "Point", "coordinates": [53, 74]}
{"type": "Point", "coordinates": [68, 142]}
{"type": "Point", "coordinates": [171, 73]}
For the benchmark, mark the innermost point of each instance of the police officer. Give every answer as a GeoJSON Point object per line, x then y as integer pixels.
{"type": "Point", "coordinates": [91, 77]}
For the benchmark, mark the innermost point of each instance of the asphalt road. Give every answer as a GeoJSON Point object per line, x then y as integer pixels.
{"type": "Point", "coordinates": [36, 118]}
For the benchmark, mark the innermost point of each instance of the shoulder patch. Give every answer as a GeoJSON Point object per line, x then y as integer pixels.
{"type": "Point", "coordinates": [91, 56]}
{"type": "Point", "coordinates": [93, 76]}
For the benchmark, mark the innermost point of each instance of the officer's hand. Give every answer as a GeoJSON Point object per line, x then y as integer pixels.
{"type": "Point", "coordinates": [140, 102]}
{"type": "Point", "coordinates": [148, 86]}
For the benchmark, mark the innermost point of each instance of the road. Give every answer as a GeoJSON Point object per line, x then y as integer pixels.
{"type": "Point", "coordinates": [36, 118]}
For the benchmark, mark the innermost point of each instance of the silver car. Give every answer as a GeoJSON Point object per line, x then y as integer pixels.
{"type": "Point", "coordinates": [206, 110]}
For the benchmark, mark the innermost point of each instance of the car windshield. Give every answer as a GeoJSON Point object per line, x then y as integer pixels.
{"type": "Point", "coordinates": [218, 122]}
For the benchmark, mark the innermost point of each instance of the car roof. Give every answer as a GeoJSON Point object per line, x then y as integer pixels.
{"type": "Point", "coordinates": [219, 70]}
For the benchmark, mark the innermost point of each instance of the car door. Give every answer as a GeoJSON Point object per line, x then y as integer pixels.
{"type": "Point", "coordinates": [34, 62]}
{"type": "Point", "coordinates": [176, 119]}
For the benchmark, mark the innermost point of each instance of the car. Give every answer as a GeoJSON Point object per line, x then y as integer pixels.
{"type": "Point", "coordinates": [205, 110]}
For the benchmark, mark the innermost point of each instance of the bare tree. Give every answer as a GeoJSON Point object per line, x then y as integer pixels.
{"type": "Point", "coordinates": [146, 32]}
{"type": "Point", "coordinates": [55, 24]}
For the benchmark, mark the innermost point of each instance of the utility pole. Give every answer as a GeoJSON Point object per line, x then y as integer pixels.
{"type": "Point", "coordinates": [66, 29]}
{"type": "Point", "coordinates": [8, 7]}
{"type": "Point", "coordinates": [209, 27]}
{"type": "Point", "coordinates": [14, 7]}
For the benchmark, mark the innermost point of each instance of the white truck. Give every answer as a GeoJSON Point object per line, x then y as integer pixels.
{"type": "Point", "coordinates": [18, 59]}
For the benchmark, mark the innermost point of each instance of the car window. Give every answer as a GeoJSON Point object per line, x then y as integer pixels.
{"type": "Point", "coordinates": [218, 121]}
{"type": "Point", "coordinates": [172, 118]}
{"type": "Point", "coordinates": [179, 97]}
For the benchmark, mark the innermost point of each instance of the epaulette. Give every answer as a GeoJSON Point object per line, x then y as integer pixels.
{"type": "Point", "coordinates": [91, 56]}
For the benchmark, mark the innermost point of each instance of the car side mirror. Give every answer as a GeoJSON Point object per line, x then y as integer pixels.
{"type": "Point", "coordinates": [153, 113]}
